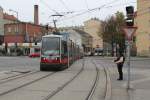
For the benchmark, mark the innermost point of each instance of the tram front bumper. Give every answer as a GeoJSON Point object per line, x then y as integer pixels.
{"type": "Point", "coordinates": [49, 66]}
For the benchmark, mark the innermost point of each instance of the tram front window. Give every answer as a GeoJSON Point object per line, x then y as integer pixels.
{"type": "Point", "coordinates": [50, 46]}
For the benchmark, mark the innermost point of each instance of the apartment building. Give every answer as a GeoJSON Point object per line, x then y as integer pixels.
{"type": "Point", "coordinates": [143, 31]}
{"type": "Point", "coordinates": [93, 27]}
{"type": "Point", "coordinates": [5, 19]}
{"type": "Point", "coordinates": [23, 32]}
{"type": "Point", "coordinates": [86, 38]}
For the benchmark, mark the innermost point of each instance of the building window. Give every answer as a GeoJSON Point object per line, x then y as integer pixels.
{"type": "Point", "coordinates": [15, 29]}
{"type": "Point", "coordinates": [9, 29]}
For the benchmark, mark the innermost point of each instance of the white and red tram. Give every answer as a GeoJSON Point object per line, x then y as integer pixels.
{"type": "Point", "coordinates": [59, 51]}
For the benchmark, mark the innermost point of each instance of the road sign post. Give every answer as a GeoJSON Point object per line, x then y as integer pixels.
{"type": "Point", "coordinates": [128, 63]}
{"type": "Point", "coordinates": [129, 32]}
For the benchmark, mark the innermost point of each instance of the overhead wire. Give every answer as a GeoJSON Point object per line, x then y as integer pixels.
{"type": "Point", "coordinates": [97, 8]}
{"type": "Point", "coordinates": [119, 5]}
{"type": "Point", "coordinates": [49, 7]}
{"type": "Point", "coordinates": [93, 9]}
{"type": "Point", "coordinates": [86, 3]}
{"type": "Point", "coordinates": [63, 3]}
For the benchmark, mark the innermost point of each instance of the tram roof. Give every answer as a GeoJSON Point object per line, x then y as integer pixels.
{"type": "Point", "coordinates": [52, 35]}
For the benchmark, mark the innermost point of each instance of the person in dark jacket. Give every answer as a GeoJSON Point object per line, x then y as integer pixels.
{"type": "Point", "coordinates": [120, 61]}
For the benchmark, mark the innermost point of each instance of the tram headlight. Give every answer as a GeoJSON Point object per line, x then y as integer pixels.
{"type": "Point", "coordinates": [44, 59]}
{"type": "Point", "coordinates": [57, 58]}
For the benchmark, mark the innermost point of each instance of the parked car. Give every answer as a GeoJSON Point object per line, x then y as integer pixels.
{"type": "Point", "coordinates": [34, 55]}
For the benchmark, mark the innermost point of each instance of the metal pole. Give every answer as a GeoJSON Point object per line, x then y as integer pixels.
{"type": "Point", "coordinates": [54, 21]}
{"type": "Point", "coordinates": [128, 64]}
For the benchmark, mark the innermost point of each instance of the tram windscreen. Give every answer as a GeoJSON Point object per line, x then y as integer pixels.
{"type": "Point", "coordinates": [50, 46]}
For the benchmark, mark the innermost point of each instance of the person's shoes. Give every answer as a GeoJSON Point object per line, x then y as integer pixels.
{"type": "Point", "coordinates": [119, 79]}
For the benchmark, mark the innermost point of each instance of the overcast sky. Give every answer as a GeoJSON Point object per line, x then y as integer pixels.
{"type": "Point", "coordinates": [50, 7]}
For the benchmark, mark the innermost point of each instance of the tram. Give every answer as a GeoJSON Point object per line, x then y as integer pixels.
{"type": "Point", "coordinates": [58, 52]}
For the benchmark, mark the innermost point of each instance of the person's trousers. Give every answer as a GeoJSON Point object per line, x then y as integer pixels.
{"type": "Point", "coordinates": [120, 71]}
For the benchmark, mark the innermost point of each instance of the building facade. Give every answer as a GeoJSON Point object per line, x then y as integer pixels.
{"type": "Point", "coordinates": [5, 19]}
{"type": "Point", "coordinates": [143, 31]}
{"type": "Point", "coordinates": [93, 27]}
{"type": "Point", "coordinates": [1, 25]}
{"type": "Point", "coordinates": [23, 32]}
{"type": "Point", "coordinates": [86, 38]}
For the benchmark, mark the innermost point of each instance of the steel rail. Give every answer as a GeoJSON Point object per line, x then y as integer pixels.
{"type": "Point", "coordinates": [108, 92]}
{"type": "Point", "coordinates": [91, 93]}
{"type": "Point", "coordinates": [8, 79]}
{"type": "Point", "coordinates": [14, 75]}
{"type": "Point", "coordinates": [108, 86]}
{"type": "Point", "coordinates": [65, 84]}
{"type": "Point", "coordinates": [31, 82]}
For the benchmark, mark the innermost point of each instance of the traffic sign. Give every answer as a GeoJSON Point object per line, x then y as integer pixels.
{"type": "Point", "coordinates": [129, 32]}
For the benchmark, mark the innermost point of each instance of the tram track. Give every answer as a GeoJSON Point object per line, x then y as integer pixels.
{"type": "Point", "coordinates": [108, 91]}
{"type": "Point", "coordinates": [46, 97]}
{"type": "Point", "coordinates": [65, 84]}
{"type": "Point", "coordinates": [53, 91]}
{"type": "Point", "coordinates": [25, 84]}
{"type": "Point", "coordinates": [7, 77]}
{"type": "Point", "coordinates": [14, 77]}
{"type": "Point", "coordinates": [91, 93]}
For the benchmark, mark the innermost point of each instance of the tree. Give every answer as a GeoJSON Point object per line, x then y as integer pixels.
{"type": "Point", "coordinates": [112, 32]}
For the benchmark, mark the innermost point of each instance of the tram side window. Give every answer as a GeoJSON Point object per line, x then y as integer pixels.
{"type": "Point", "coordinates": [37, 50]}
{"type": "Point", "coordinates": [64, 48]}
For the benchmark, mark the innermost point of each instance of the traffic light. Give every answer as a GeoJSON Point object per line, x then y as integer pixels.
{"type": "Point", "coordinates": [130, 10]}
{"type": "Point", "coordinates": [130, 16]}
{"type": "Point", "coordinates": [130, 21]}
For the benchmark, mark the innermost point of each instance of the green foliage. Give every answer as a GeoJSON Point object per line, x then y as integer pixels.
{"type": "Point", "coordinates": [112, 29]}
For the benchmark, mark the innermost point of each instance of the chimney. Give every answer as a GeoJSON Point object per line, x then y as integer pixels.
{"type": "Point", "coordinates": [36, 15]}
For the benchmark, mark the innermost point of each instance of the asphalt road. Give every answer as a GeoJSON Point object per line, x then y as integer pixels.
{"type": "Point", "coordinates": [13, 63]}
{"type": "Point", "coordinates": [140, 68]}
{"type": "Point", "coordinates": [19, 63]}
{"type": "Point", "coordinates": [79, 82]}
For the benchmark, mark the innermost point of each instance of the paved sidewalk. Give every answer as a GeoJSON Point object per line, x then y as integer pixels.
{"type": "Point", "coordinates": [140, 84]}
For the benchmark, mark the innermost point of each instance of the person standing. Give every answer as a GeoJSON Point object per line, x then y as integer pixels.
{"type": "Point", "coordinates": [120, 61]}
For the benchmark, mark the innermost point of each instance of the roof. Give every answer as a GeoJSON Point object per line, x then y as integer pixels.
{"type": "Point", "coordinates": [29, 23]}
{"type": "Point", "coordinates": [82, 32]}
{"type": "Point", "coordinates": [52, 35]}
{"type": "Point", "coordinates": [9, 17]}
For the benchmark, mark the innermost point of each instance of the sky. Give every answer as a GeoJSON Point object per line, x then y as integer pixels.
{"type": "Point", "coordinates": [74, 12]}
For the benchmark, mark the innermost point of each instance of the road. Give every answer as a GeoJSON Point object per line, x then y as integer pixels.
{"type": "Point", "coordinates": [86, 79]}
{"type": "Point", "coordinates": [19, 63]}
{"type": "Point", "coordinates": [83, 80]}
